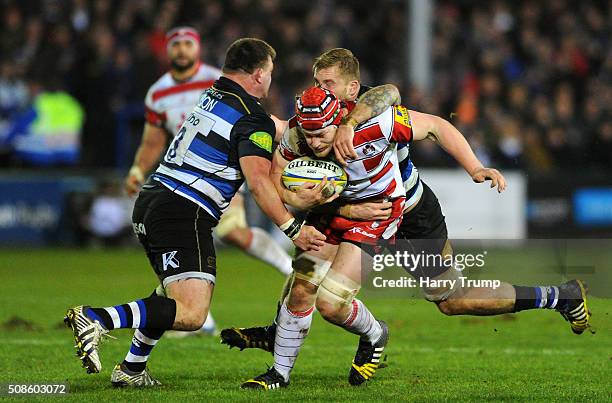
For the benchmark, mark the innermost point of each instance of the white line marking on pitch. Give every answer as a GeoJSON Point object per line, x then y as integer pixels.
{"type": "Point", "coordinates": [33, 342]}
{"type": "Point", "coordinates": [472, 350]}
{"type": "Point", "coordinates": [425, 350]}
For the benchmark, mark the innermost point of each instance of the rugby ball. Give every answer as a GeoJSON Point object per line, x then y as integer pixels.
{"type": "Point", "coordinates": [307, 170]}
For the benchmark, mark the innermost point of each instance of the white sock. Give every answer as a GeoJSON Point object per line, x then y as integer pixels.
{"type": "Point", "coordinates": [209, 324]}
{"type": "Point", "coordinates": [264, 248]}
{"type": "Point", "coordinates": [361, 321]}
{"type": "Point", "coordinates": [291, 330]}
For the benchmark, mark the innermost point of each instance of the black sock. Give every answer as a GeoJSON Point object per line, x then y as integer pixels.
{"type": "Point", "coordinates": [536, 298]}
{"type": "Point", "coordinates": [140, 349]}
{"type": "Point", "coordinates": [100, 315]}
{"type": "Point", "coordinates": [153, 312]}
{"type": "Point", "coordinates": [142, 344]}
{"type": "Point", "coordinates": [163, 312]}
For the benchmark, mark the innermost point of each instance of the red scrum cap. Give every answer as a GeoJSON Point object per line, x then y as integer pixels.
{"type": "Point", "coordinates": [181, 34]}
{"type": "Point", "coordinates": [317, 108]}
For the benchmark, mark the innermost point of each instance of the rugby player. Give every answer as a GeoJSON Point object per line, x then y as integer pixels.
{"type": "Point", "coordinates": [333, 281]}
{"type": "Point", "coordinates": [338, 71]}
{"type": "Point", "coordinates": [423, 221]}
{"type": "Point", "coordinates": [424, 226]}
{"type": "Point", "coordinates": [226, 139]}
{"type": "Point", "coordinates": [167, 103]}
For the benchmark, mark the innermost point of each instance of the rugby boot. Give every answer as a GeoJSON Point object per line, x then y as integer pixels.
{"type": "Point", "coordinates": [87, 337]}
{"type": "Point", "coordinates": [269, 380]}
{"type": "Point", "coordinates": [575, 309]}
{"type": "Point", "coordinates": [250, 337]}
{"type": "Point", "coordinates": [367, 358]}
{"type": "Point", "coordinates": [122, 377]}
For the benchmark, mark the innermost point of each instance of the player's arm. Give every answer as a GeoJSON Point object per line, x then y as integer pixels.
{"type": "Point", "coordinates": [151, 147]}
{"type": "Point", "coordinates": [307, 196]}
{"type": "Point", "coordinates": [256, 171]}
{"type": "Point", "coordinates": [366, 211]}
{"type": "Point", "coordinates": [281, 126]}
{"type": "Point", "coordinates": [372, 103]}
{"type": "Point", "coordinates": [254, 150]}
{"type": "Point", "coordinates": [452, 141]}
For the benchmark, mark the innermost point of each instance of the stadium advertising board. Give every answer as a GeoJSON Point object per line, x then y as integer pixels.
{"type": "Point", "coordinates": [29, 210]}
{"type": "Point", "coordinates": [569, 206]}
{"type": "Point", "coordinates": [32, 209]}
{"type": "Point", "coordinates": [474, 211]}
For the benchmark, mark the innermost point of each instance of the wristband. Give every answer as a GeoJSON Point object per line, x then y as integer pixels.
{"type": "Point", "coordinates": [136, 172]}
{"type": "Point", "coordinates": [292, 228]}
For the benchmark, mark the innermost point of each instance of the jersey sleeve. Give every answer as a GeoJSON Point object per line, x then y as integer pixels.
{"type": "Point", "coordinates": [254, 135]}
{"type": "Point", "coordinates": [402, 126]}
{"type": "Point", "coordinates": [289, 146]}
{"type": "Point", "coordinates": [153, 116]}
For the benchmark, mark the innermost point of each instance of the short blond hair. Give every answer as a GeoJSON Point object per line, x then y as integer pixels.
{"type": "Point", "coordinates": [343, 58]}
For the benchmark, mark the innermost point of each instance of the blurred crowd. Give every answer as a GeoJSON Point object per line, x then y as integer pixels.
{"type": "Point", "coordinates": [527, 82]}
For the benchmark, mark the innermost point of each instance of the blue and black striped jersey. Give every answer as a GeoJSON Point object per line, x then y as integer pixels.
{"type": "Point", "coordinates": [202, 163]}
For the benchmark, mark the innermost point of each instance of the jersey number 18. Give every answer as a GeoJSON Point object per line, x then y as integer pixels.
{"type": "Point", "coordinates": [195, 124]}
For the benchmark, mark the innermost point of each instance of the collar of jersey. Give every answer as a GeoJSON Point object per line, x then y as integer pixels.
{"type": "Point", "coordinates": [226, 84]}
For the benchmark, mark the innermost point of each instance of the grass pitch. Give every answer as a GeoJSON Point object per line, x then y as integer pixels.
{"type": "Point", "coordinates": [529, 356]}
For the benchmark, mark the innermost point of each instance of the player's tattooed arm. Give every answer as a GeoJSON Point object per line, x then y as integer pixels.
{"type": "Point", "coordinates": [374, 102]}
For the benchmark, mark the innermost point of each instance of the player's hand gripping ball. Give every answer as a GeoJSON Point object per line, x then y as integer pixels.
{"type": "Point", "coordinates": [307, 170]}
